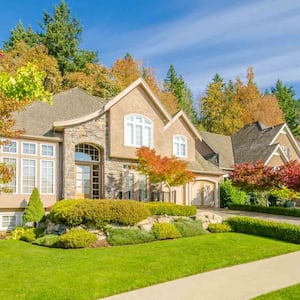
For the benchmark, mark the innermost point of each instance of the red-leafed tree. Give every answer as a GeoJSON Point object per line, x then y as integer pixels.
{"type": "Point", "coordinates": [255, 176]}
{"type": "Point", "coordinates": [290, 175]}
{"type": "Point", "coordinates": [162, 169]}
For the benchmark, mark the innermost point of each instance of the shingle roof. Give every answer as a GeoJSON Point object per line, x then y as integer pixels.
{"type": "Point", "coordinates": [37, 118]}
{"type": "Point", "coordinates": [252, 142]}
{"type": "Point", "coordinates": [222, 145]}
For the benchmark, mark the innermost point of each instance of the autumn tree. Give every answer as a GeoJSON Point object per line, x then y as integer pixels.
{"type": "Point", "coordinates": [175, 84]}
{"type": "Point", "coordinates": [162, 169]}
{"type": "Point", "coordinates": [290, 175]}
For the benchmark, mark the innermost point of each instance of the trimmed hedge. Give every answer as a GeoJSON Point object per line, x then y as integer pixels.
{"type": "Point", "coordinates": [163, 231]}
{"type": "Point", "coordinates": [281, 231]}
{"type": "Point", "coordinates": [76, 238]}
{"type": "Point", "coordinates": [219, 228]}
{"type": "Point", "coordinates": [116, 236]}
{"type": "Point", "coordinates": [97, 213]}
{"type": "Point", "coordinates": [170, 209]}
{"type": "Point", "coordinates": [188, 227]}
{"type": "Point", "coordinates": [276, 210]}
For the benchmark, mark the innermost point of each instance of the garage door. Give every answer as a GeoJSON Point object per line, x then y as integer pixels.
{"type": "Point", "coordinates": [203, 193]}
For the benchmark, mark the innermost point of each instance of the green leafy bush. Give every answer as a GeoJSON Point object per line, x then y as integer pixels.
{"type": "Point", "coordinates": [276, 230]}
{"type": "Point", "coordinates": [188, 227]}
{"type": "Point", "coordinates": [276, 210]}
{"type": "Point", "coordinates": [49, 240]}
{"type": "Point", "coordinates": [231, 194]}
{"type": "Point", "coordinates": [117, 237]}
{"type": "Point", "coordinates": [219, 228]}
{"type": "Point", "coordinates": [163, 231]}
{"type": "Point", "coordinates": [76, 238]}
{"type": "Point", "coordinates": [17, 232]}
{"type": "Point", "coordinates": [29, 235]}
{"type": "Point", "coordinates": [170, 209]}
{"type": "Point", "coordinates": [97, 213]}
{"type": "Point", "coordinates": [34, 211]}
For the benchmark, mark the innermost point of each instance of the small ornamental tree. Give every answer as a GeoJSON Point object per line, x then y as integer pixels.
{"type": "Point", "coordinates": [162, 169]}
{"type": "Point", "coordinates": [290, 175]}
{"type": "Point", "coordinates": [34, 211]}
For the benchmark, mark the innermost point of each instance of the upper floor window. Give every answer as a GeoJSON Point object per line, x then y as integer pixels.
{"type": "Point", "coordinates": [180, 146]}
{"type": "Point", "coordinates": [11, 147]}
{"type": "Point", "coordinates": [47, 150]}
{"type": "Point", "coordinates": [286, 151]}
{"type": "Point", "coordinates": [138, 131]}
{"type": "Point", "coordinates": [29, 148]}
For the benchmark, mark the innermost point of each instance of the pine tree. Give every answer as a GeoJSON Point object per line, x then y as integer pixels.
{"type": "Point", "coordinates": [34, 211]}
{"type": "Point", "coordinates": [176, 85]}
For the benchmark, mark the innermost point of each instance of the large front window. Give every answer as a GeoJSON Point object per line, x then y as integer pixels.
{"type": "Point", "coordinates": [28, 175]}
{"type": "Point", "coordinates": [180, 146]}
{"type": "Point", "coordinates": [47, 177]}
{"type": "Point", "coordinates": [138, 131]}
{"type": "Point", "coordinates": [12, 185]}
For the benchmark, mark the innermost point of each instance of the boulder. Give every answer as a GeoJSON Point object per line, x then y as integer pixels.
{"type": "Point", "coordinates": [208, 218]}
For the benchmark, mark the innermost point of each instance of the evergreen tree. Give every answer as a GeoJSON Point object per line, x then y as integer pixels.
{"type": "Point", "coordinates": [288, 105]}
{"type": "Point", "coordinates": [175, 84]}
{"type": "Point", "coordinates": [34, 211]}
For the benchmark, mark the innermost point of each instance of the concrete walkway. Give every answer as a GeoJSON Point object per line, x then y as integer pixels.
{"type": "Point", "coordinates": [241, 282]}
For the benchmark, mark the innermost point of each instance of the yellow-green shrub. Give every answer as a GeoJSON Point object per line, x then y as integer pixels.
{"type": "Point", "coordinates": [76, 238]}
{"type": "Point", "coordinates": [163, 231]}
{"type": "Point", "coordinates": [170, 209]}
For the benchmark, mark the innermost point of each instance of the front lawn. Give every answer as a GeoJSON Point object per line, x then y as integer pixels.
{"type": "Point", "coordinates": [33, 272]}
{"type": "Point", "coordinates": [289, 293]}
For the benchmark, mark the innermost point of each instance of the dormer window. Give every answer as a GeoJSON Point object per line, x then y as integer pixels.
{"type": "Point", "coordinates": [180, 145]}
{"type": "Point", "coordinates": [138, 131]}
{"type": "Point", "coordinates": [286, 151]}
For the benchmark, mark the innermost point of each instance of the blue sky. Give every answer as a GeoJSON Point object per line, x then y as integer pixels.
{"type": "Point", "coordinates": [200, 38]}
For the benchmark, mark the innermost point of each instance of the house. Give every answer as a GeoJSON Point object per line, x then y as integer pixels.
{"type": "Point", "coordinates": [85, 147]}
{"type": "Point", "coordinates": [274, 145]}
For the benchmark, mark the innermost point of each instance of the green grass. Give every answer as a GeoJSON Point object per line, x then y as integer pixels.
{"type": "Point", "coordinates": [33, 272]}
{"type": "Point", "coordinates": [289, 293]}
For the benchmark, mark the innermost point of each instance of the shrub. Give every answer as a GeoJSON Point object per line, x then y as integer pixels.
{"type": "Point", "coordinates": [17, 232]}
{"type": "Point", "coordinates": [28, 235]}
{"type": "Point", "coordinates": [276, 230]}
{"type": "Point", "coordinates": [117, 237]}
{"type": "Point", "coordinates": [76, 238]}
{"type": "Point", "coordinates": [34, 211]}
{"type": "Point", "coordinates": [188, 227]}
{"type": "Point", "coordinates": [276, 210]}
{"type": "Point", "coordinates": [97, 213]}
{"type": "Point", "coordinates": [49, 240]}
{"type": "Point", "coordinates": [219, 228]}
{"type": "Point", "coordinates": [163, 231]}
{"type": "Point", "coordinates": [231, 194]}
{"type": "Point", "coordinates": [170, 209]}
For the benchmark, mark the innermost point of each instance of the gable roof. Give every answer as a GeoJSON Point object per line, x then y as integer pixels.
{"type": "Point", "coordinates": [222, 146]}
{"type": "Point", "coordinates": [253, 142]}
{"type": "Point", "coordinates": [37, 119]}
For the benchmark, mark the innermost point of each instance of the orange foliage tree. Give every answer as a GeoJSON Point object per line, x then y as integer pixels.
{"type": "Point", "coordinates": [162, 169]}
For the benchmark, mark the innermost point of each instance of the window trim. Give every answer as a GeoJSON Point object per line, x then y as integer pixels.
{"type": "Point", "coordinates": [22, 148]}
{"type": "Point", "coordinates": [134, 145]}
{"type": "Point", "coordinates": [18, 215]}
{"type": "Point", "coordinates": [41, 149]}
{"type": "Point", "coordinates": [54, 186]}
{"type": "Point", "coordinates": [16, 171]}
{"type": "Point", "coordinates": [17, 146]}
{"type": "Point", "coordinates": [186, 145]}
{"type": "Point", "coordinates": [21, 177]}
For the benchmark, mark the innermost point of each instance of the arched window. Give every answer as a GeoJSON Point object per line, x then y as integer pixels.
{"type": "Point", "coordinates": [138, 131]}
{"type": "Point", "coordinates": [180, 145]}
{"type": "Point", "coordinates": [86, 152]}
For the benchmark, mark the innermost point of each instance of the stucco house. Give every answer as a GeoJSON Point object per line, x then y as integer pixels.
{"type": "Point", "coordinates": [274, 145]}
{"type": "Point", "coordinates": [84, 147]}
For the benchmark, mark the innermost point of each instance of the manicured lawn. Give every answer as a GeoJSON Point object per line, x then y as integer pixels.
{"type": "Point", "coordinates": [33, 272]}
{"type": "Point", "coordinates": [289, 293]}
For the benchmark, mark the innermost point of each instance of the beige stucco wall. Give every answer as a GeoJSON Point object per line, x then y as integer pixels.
{"type": "Point", "coordinates": [18, 199]}
{"type": "Point", "coordinates": [275, 161]}
{"type": "Point", "coordinates": [283, 139]}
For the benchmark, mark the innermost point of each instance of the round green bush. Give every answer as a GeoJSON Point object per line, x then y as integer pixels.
{"type": "Point", "coordinates": [163, 231]}
{"type": "Point", "coordinates": [219, 228]}
{"type": "Point", "coordinates": [76, 238]}
{"type": "Point", "coordinates": [170, 209]}
{"type": "Point", "coordinates": [29, 235]}
{"type": "Point", "coordinates": [189, 227]}
{"type": "Point", "coordinates": [97, 213]}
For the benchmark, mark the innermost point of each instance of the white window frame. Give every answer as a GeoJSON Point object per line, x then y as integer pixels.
{"type": "Point", "coordinates": [48, 145]}
{"type": "Point", "coordinates": [36, 167]}
{"type": "Point", "coordinates": [16, 171]}
{"type": "Point", "coordinates": [47, 160]}
{"type": "Point", "coordinates": [134, 144]}
{"type": "Point", "coordinates": [17, 145]}
{"type": "Point", "coordinates": [180, 136]}
{"type": "Point", "coordinates": [29, 153]}
{"type": "Point", "coordinates": [18, 215]}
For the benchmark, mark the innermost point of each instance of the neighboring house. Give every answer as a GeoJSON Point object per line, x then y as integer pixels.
{"type": "Point", "coordinates": [85, 147]}
{"type": "Point", "coordinates": [274, 145]}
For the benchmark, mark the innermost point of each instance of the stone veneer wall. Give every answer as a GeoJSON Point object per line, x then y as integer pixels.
{"type": "Point", "coordinates": [93, 132]}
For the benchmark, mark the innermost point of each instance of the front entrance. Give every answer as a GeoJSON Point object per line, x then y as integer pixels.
{"type": "Point", "coordinates": [203, 193]}
{"type": "Point", "coordinates": [88, 172]}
